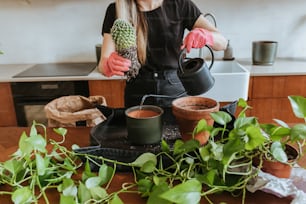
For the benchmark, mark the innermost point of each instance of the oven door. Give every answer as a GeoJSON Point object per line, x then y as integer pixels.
{"type": "Point", "coordinates": [27, 111]}
{"type": "Point", "coordinates": [31, 97]}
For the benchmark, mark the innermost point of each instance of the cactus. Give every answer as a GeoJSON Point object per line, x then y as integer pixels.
{"type": "Point", "coordinates": [124, 37]}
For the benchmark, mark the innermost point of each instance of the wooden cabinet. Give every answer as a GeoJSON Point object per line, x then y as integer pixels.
{"type": "Point", "coordinates": [268, 95]}
{"type": "Point", "coordinates": [7, 110]}
{"type": "Point", "coordinates": [112, 90]}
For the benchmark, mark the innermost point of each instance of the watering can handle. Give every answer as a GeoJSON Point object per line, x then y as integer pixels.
{"type": "Point", "coordinates": [183, 56]}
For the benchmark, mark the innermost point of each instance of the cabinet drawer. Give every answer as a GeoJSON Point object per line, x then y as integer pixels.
{"type": "Point", "coordinates": [278, 86]}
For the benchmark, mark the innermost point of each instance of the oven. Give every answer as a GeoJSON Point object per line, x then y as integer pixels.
{"type": "Point", "coordinates": [31, 97]}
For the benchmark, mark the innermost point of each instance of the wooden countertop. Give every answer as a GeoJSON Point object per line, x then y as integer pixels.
{"type": "Point", "coordinates": [9, 137]}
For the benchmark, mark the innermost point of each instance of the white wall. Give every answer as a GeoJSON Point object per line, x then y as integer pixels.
{"type": "Point", "coordinates": [67, 30]}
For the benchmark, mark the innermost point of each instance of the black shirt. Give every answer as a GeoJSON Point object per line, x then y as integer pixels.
{"type": "Point", "coordinates": [166, 25]}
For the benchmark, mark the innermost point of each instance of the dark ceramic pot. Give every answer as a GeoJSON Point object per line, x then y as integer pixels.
{"type": "Point", "coordinates": [144, 124]}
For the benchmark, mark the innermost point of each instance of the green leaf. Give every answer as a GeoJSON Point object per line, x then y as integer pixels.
{"type": "Point", "coordinates": [217, 151]}
{"type": "Point", "coordinates": [155, 198]}
{"type": "Point", "coordinates": [298, 104]}
{"type": "Point", "coordinates": [22, 196]}
{"type": "Point", "coordinates": [278, 152]}
{"type": "Point", "coordinates": [145, 157]}
{"type": "Point", "coordinates": [208, 178]}
{"type": "Point", "coordinates": [83, 193]}
{"type": "Point", "coordinates": [41, 164]}
{"type": "Point", "coordinates": [60, 131]}
{"type": "Point", "coordinates": [68, 165]}
{"type": "Point", "coordinates": [201, 126]}
{"type": "Point", "coordinates": [230, 148]}
{"type": "Point", "coordinates": [148, 167]}
{"type": "Point", "coordinates": [186, 147]}
{"type": "Point", "coordinates": [221, 117]}
{"type": "Point", "coordinates": [116, 200]}
{"type": "Point", "coordinates": [68, 187]}
{"type": "Point", "coordinates": [13, 166]}
{"type": "Point", "coordinates": [67, 200]}
{"type": "Point", "coordinates": [177, 147]}
{"type": "Point", "coordinates": [87, 171]}
{"type": "Point", "coordinates": [144, 186]}
{"type": "Point", "coordinates": [278, 133]}
{"type": "Point", "coordinates": [93, 182]}
{"type": "Point", "coordinates": [33, 130]}
{"type": "Point", "coordinates": [298, 132]}
{"type": "Point", "coordinates": [164, 146]}
{"type": "Point", "coordinates": [105, 173]}
{"type": "Point", "coordinates": [281, 123]}
{"type": "Point", "coordinates": [242, 103]}
{"type": "Point", "coordinates": [244, 122]}
{"type": "Point", "coordinates": [205, 153]}
{"type": "Point", "coordinates": [158, 180]}
{"type": "Point", "coordinates": [184, 193]}
{"type": "Point", "coordinates": [37, 142]}
{"type": "Point", "coordinates": [98, 193]}
{"type": "Point", "coordinates": [25, 147]}
{"type": "Point", "coordinates": [255, 138]}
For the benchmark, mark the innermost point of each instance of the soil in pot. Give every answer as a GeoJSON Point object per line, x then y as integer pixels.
{"type": "Point", "coordinates": [189, 110]}
{"type": "Point", "coordinates": [142, 113]}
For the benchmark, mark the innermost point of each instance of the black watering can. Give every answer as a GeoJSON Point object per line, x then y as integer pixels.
{"type": "Point", "coordinates": [195, 74]}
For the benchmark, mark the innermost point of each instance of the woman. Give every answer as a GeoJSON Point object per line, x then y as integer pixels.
{"type": "Point", "coordinates": [160, 26]}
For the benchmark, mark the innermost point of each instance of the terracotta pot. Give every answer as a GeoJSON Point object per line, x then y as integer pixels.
{"type": "Point", "coordinates": [277, 168]}
{"type": "Point", "coordinates": [189, 110]}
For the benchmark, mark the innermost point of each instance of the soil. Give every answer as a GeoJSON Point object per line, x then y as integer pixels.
{"type": "Point", "coordinates": [199, 107]}
{"type": "Point", "coordinates": [142, 114]}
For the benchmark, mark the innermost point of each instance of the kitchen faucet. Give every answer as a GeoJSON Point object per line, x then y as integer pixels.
{"type": "Point", "coordinates": [212, 17]}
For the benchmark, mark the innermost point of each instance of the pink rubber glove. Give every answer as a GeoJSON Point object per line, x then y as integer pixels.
{"type": "Point", "coordinates": [116, 65]}
{"type": "Point", "coordinates": [197, 38]}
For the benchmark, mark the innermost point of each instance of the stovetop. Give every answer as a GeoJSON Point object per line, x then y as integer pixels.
{"type": "Point", "coordinates": [58, 69]}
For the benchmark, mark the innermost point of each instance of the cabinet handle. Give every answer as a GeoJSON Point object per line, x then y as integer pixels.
{"type": "Point", "coordinates": [49, 86]}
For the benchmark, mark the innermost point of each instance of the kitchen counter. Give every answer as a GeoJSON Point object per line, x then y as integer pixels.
{"type": "Point", "coordinates": [7, 71]}
{"type": "Point", "coordinates": [80, 135]}
{"type": "Point", "coordinates": [280, 67]}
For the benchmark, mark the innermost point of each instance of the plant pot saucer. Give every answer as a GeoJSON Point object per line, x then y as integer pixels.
{"type": "Point", "coordinates": [109, 138]}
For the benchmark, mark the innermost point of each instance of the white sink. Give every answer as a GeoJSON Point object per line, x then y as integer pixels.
{"type": "Point", "coordinates": [231, 81]}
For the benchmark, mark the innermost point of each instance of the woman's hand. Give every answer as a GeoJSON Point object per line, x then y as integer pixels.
{"type": "Point", "coordinates": [197, 38]}
{"type": "Point", "coordinates": [115, 65]}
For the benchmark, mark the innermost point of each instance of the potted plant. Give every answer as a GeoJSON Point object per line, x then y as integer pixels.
{"type": "Point", "coordinates": [255, 143]}
{"type": "Point", "coordinates": [284, 146]}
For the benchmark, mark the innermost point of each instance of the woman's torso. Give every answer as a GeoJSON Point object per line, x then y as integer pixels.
{"type": "Point", "coordinates": [166, 26]}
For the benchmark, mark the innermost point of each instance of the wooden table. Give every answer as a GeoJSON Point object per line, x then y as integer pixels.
{"type": "Point", "coordinates": [9, 137]}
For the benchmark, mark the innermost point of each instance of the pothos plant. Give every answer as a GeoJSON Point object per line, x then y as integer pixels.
{"type": "Point", "coordinates": [183, 173]}
{"type": "Point", "coordinates": [40, 164]}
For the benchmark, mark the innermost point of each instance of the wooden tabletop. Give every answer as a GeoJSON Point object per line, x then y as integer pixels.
{"type": "Point", "coordinates": [9, 137]}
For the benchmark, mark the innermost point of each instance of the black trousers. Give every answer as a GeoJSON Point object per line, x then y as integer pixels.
{"type": "Point", "coordinates": [165, 83]}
